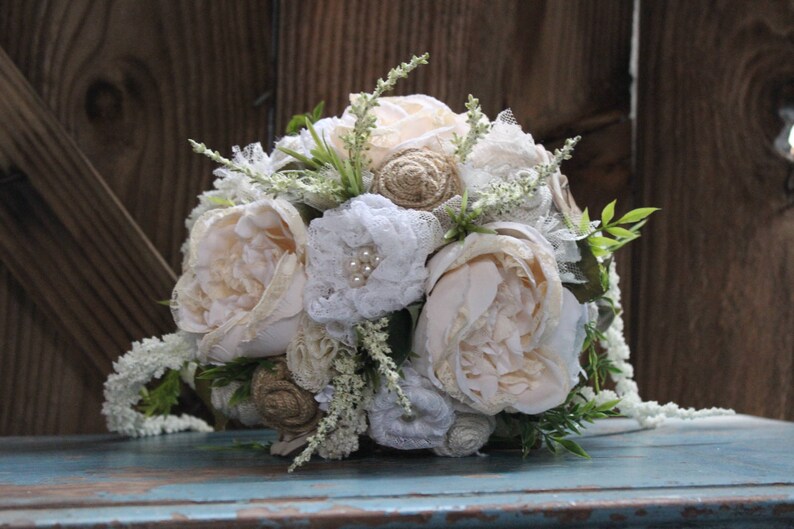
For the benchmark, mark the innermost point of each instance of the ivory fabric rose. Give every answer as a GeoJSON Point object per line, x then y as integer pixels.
{"type": "Point", "coordinates": [242, 288]}
{"type": "Point", "coordinates": [405, 122]}
{"type": "Point", "coordinates": [468, 433]}
{"type": "Point", "coordinates": [499, 332]}
{"type": "Point", "coordinates": [310, 355]}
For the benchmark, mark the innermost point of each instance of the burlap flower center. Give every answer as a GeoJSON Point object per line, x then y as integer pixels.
{"type": "Point", "coordinates": [418, 179]}
{"type": "Point", "coordinates": [283, 405]}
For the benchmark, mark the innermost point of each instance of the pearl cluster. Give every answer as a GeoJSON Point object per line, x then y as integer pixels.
{"type": "Point", "coordinates": [361, 265]}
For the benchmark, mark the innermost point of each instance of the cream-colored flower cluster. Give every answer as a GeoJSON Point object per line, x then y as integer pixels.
{"type": "Point", "coordinates": [338, 306]}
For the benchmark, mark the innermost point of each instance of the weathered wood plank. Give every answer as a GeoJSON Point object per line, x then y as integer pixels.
{"type": "Point", "coordinates": [708, 473]}
{"type": "Point", "coordinates": [714, 300]}
{"type": "Point", "coordinates": [44, 388]}
{"type": "Point", "coordinates": [119, 274]}
{"type": "Point", "coordinates": [130, 81]}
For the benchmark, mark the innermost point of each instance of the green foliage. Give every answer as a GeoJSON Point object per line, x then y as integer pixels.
{"type": "Point", "coordinates": [298, 121]}
{"type": "Point", "coordinates": [400, 339]}
{"type": "Point", "coordinates": [463, 221]}
{"type": "Point", "coordinates": [220, 201]}
{"type": "Point", "coordinates": [622, 231]}
{"type": "Point", "coordinates": [164, 396]}
{"type": "Point", "coordinates": [298, 183]}
{"type": "Point", "coordinates": [238, 370]}
{"type": "Point", "coordinates": [478, 127]}
{"type": "Point", "coordinates": [323, 157]}
{"type": "Point", "coordinates": [552, 427]}
{"type": "Point", "coordinates": [595, 273]}
{"type": "Point", "coordinates": [598, 366]}
{"type": "Point", "coordinates": [357, 140]}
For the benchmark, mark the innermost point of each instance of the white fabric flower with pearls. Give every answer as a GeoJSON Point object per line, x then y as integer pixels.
{"type": "Point", "coordinates": [366, 259]}
{"type": "Point", "coordinates": [426, 427]}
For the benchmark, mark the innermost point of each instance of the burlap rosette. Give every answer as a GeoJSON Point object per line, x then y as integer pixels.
{"type": "Point", "coordinates": [417, 179]}
{"type": "Point", "coordinates": [283, 405]}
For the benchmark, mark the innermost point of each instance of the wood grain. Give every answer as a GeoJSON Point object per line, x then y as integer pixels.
{"type": "Point", "coordinates": [714, 302]}
{"type": "Point", "coordinates": [130, 81]}
{"type": "Point", "coordinates": [104, 296]}
{"type": "Point", "coordinates": [44, 388]}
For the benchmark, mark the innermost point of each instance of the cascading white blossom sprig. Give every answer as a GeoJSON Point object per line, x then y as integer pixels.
{"type": "Point", "coordinates": [147, 360]}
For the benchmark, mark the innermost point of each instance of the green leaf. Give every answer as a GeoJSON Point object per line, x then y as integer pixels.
{"type": "Point", "coordinates": [584, 222]}
{"type": "Point", "coordinates": [572, 447]}
{"type": "Point", "coordinates": [164, 302]}
{"type": "Point", "coordinates": [589, 266]}
{"type": "Point", "coordinates": [608, 213]}
{"type": "Point", "coordinates": [602, 242]}
{"type": "Point", "coordinates": [165, 395]}
{"type": "Point", "coordinates": [220, 201]}
{"type": "Point", "coordinates": [400, 335]}
{"type": "Point", "coordinates": [636, 215]}
{"type": "Point", "coordinates": [301, 158]}
{"type": "Point", "coordinates": [621, 232]}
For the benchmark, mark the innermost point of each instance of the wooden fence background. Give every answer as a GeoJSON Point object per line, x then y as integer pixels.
{"type": "Point", "coordinates": [97, 99]}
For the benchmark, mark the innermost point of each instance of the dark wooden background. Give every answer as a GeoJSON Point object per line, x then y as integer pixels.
{"type": "Point", "coordinates": [97, 99]}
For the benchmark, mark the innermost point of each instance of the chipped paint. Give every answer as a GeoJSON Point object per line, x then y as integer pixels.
{"type": "Point", "coordinates": [705, 472]}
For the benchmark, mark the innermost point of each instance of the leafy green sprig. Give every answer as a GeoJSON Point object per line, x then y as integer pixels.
{"type": "Point", "coordinates": [598, 366]}
{"type": "Point", "coordinates": [299, 183]}
{"type": "Point", "coordinates": [323, 157]}
{"type": "Point", "coordinates": [164, 396]}
{"type": "Point", "coordinates": [623, 230]}
{"type": "Point", "coordinates": [238, 370]}
{"type": "Point", "coordinates": [464, 220]}
{"type": "Point", "coordinates": [298, 121]}
{"type": "Point", "coordinates": [357, 140]}
{"type": "Point", "coordinates": [478, 127]}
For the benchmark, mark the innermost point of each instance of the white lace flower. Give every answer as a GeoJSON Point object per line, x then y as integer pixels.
{"type": "Point", "coordinates": [366, 259]}
{"type": "Point", "coordinates": [425, 428]}
{"type": "Point", "coordinates": [468, 433]}
{"type": "Point", "coordinates": [502, 153]}
{"type": "Point", "coordinates": [310, 355]}
{"type": "Point", "coordinates": [244, 411]}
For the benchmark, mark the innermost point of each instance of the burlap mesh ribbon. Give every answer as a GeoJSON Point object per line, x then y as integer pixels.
{"type": "Point", "coordinates": [283, 405]}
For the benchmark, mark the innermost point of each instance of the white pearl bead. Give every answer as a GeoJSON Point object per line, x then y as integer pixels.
{"type": "Point", "coordinates": [365, 254]}
{"type": "Point", "coordinates": [352, 265]}
{"type": "Point", "coordinates": [356, 280]}
{"type": "Point", "coordinates": [375, 261]}
{"type": "Point", "coordinates": [366, 270]}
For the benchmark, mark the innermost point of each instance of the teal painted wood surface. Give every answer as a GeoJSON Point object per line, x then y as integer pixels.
{"type": "Point", "coordinates": [720, 472]}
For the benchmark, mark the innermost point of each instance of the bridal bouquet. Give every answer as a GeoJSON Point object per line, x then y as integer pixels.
{"type": "Point", "coordinates": [403, 273]}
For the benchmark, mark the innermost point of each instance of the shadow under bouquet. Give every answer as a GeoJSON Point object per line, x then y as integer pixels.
{"type": "Point", "coordinates": [401, 272]}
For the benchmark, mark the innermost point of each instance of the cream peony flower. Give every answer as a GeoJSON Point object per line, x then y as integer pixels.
{"type": "Point", "coordinates": [310, 355]}
{"type": "Point", "coordinates": [243, 282]}
{"type": "Point", "coordinates": [405, 122]}
{"type": "Point", "coordinates": [498, 331]}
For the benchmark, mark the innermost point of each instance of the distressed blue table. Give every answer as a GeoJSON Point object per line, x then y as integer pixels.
{"type": "Point", "coordinates": [719, 472]}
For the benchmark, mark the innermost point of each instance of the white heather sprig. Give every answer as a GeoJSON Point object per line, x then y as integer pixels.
{"type": "Point", "coordinates": [357, 140]}
{"type": "Point", "coordinates": [649, 414]}
{"type": "Point", "coordinates": [298, 183]}
{"type": "Point", "coordinates": [348, 395]}
{"type": "Point", "coordinates": [500, 196]}
{"type": "Point", "coordinates": [147, 360]}
{"type": "Point", "coordinates": [478, 127]}
{"type": "Point", "coordinates": [374, 337]}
